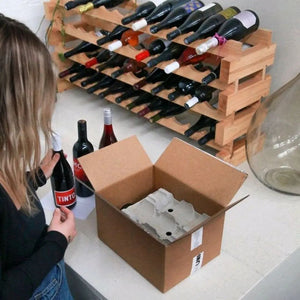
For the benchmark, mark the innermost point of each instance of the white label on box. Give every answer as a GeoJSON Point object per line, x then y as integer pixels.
{"type": "Point", "coordinates": [196, 239]}
{"type": "Point", "coordinates": [197, 262]}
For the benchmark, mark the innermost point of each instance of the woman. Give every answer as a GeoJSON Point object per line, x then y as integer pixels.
{"type": "Point", "coordinates": [31, 253]}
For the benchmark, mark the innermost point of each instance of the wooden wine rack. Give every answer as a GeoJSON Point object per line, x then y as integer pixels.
{"type": "Point", "coordinates": [243, 79]}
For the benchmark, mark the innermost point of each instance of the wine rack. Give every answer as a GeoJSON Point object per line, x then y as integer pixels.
{"type": "Point", "coordinates": [242, 83]}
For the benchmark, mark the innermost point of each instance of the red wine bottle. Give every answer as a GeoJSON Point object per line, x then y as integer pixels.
{"type": "Point", "coordinates": [210, 26]}
{"type": "Point", "coordinates": [171, 82]}
{"type": "Point", "coordinates": [171, 110]}
{"type": "Point", "coordinates": [92, 79]}
{"type": "Point", "coordinates": [235, 28]}
{"type": "Point", "coordinates": [82, 74]}
{"type": "Point", "coordinates": [154, 76]}
{"type": "Point", "coordinates": [97, 3]}
{"type": "Point", "coordinates": [156, 104]}
{"type": "Point", "coordinates": [62, 178]}
{"type": "Point", "coordinates": [81, 147]}
{"type": "Point", "coordinates": [75, 68]}
{"type": "Point", "coordinates": [158, 14]}
{"type": "Point", "coordinates": [130, 93]}
{"type": "Point", "coordinates": [172, 52]}
{"type": "Point", "coordinates": [155, 47]}
{"type": "Point", "coordinates": [102, 56]}
{"type": "Point", "coordinates": [102, 84]}
{"type": "Point", "coordinates": [108, 135]}
{"type": "Point", "coordinates": [130, 65]}
{"type": "Point", "coordinates": [142, 99]}
{"type": "Point", "coordinates": [115, 88]}
{"type": "Point", "coordinates": [116, 60]}
{"type": "Point", "coordinates": [201, 94]}
{"type": "Point", "coordinates": [141, 11]}
{"type": "Point", "coordinates": [177, 16]}
{"type": "Point", "coordinates": [72, 4]}
{"type": "Point", "coordinates": [195, 19]}
{"type": "Point", "coordinates": [203, 122]}
{"type": "Point", "coordinates": [212, 75]}
{"type": "Point", "coordinates": [115, 34]}
{"type": "Point", "coordinates": [81, 48]}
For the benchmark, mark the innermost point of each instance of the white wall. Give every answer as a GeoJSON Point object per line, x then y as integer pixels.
{"type": "Point", "coordinates": [281, 17]}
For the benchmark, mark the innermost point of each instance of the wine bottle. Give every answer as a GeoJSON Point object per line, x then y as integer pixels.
{"type": "Point", "coordinates": [177, 16]}
{"type": "Point", "coordinates": [116, 60]}
{"type": "Point", "coordinates": [130, 65]}
{"type": "Point", "coordinates": [142, 99]}
{"type": "Point", "coordinates": [75, 68]}
{"type": "Point", "coordinates": [203, 122]}
{"type": "Point", "coordinates": [209, 136]}
{"type": "Point", "coordinates": [201, 94]}
{"type": "Point", "coordinates": [102, 84]}
{"type": "Point", "coordinates": [62, 178]}
{"type": "Point", "coordinates": [131, 92]}
{"type": "Point", "coordinates": [172, 110]}
{"type": "Point", "coordinates": [108, 135]}
{"type": "Point", "coordinates": [195, 19]}
{"type": "Point", "coordinates": [156, 104]}
{"type": "Point", "coordinates": [92, 79]}
{"type": "Point", "coordinates": [115, 88]}
{"type": "Point", "coordinates": [81, 147]}
{"type": "Point", "coordinates": [129, 37]}
{"type": "Point", "coordinates": [72, 4]}
{"type": "Point", "coordinates": [188, 57]}
{"type": "Point", "coordinates": [155, 47]}
{"type": "Point", "coordinates": [82, 74]}
{"type": "Point", "coordinates": [235, 28]}
{"type": "Point", "coordinates": [212, 75]}
{"type": "Point", "coordinates": [141, 11]}
{"type": "Point", "coordinates": [172, 52]}
{"type": "Point", "coordinates": [115, 34]}
{"type": "Point", "coordinates": [154, 76]}
{"type": "Point", "coordinates": [158, 14]}
{"type": "Point", "coordinates": [210, 26]}
{"type": "Point", "coordinates": [97, 3]}
{"type": "Point", "coordinates": [82, 47]}
{"type": "Point", "coordinates": [102, 56]}
{"type": "Point", "coordinates": [171, 82]}
{"type": "Point", "coordinates": [184, 87]}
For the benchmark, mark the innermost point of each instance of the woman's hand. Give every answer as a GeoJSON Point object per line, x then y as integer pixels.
{"type": "Point", "coordinates": [48, 163]}
{"type": "Point", "coordinates": [63, 221]}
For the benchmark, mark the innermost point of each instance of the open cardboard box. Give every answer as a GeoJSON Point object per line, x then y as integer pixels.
{"type": "Point", "coordinates": [123, 173]}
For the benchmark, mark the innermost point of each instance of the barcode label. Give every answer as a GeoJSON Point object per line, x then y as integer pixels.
{"type": "Point", "coordinates": [197, 262]}
{"type": "Point", "coordinates": [196, 239]}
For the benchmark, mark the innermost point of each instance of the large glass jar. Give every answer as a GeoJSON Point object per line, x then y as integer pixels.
{"type": "Point", "coordinates": [273, 140]}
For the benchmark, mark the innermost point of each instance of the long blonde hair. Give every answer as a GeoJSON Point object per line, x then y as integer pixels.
{"type": "Point", "coordinates": [27, 97]}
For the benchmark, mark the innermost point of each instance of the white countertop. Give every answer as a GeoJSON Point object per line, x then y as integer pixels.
{"type": "Point", "coordinates": [259, 233]}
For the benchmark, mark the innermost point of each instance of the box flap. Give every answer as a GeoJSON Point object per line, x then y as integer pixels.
{"type": "Point", "coordinates": [115, 162]}
{"type": "Point", "coordinates": [201, 171]}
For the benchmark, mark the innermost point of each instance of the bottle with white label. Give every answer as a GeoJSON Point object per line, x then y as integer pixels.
{"type": "Point", "coordinates": [235, 28]}
{"type": "Point", "coordinates": [62, 178]}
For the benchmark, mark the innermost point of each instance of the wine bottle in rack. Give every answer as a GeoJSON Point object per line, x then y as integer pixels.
{"type": "Point", "coordinates": [195, 19]}
{"type": "Point", "coordinates": [129, 93]}
{"type": "Point", "coordinates": [235, 28]}
{"type": "Point", "coordinates": [156, 104]}
{"type": "Point", "coordinates": [177, 16]}
{"type": "Point", "coordinates": [102, 56]}
{"type": "Point", "coordinates": [158, 14]}
{"type": "Point", "coordinates": [184, 87]}
{"type": "Point", "coordinates": [188, 57]}
{"type": "Point", "coordinates": [82, 74]}
{"type": "Point", "coordinates": [210, 26]}
{"type": "Point", "coordinates": [171, 82]}
{"type": "Point", "coordinates": [130, 65]}
{"type": "Point", "coordinates": [92, 79]}
{"type": "Point", "coordinates": [172, 52]}
{"type": "Point", "coordinates": [154, 76]}
{"type": "Point", "coordinates": [81, 147]}
{"type": "Point", "coordinates": [202, 123]}
{"type": "Point", "coordinates": [142, 99]}
{"type": "Point", "coordinates": [208, 136]}
{"type": "Point", "coordinates": [97, 3]}
{"type": "Point", "coordinates": [115, 34]}
{"type": "Point", "coordinates": [81, 48]}
{"type": "Point", "coordinates": [102, 84]}
{"type": "Point", "coordinates": [62, 178]}
{"type": "Point", "coordinates": [141, 11]}
{"type": "Point", "coordinates": [201, 94]}
{"type": "Point", "coordinates": [171, 110]}
{"type": "Point", "coordinates": [72, 4]}
{"type": "Point", "coordinates": [75, 68]}
{"type": "Point", "coordinates": [212, 75]}
{"type": "Point", "coordinates": [108, 135]}
{"type": "Point", "coordinates": [116, 60]}
{"type": "Point", "coordinates": [115, 88]}
{"type": "Point", "coordinates": [155, 47]}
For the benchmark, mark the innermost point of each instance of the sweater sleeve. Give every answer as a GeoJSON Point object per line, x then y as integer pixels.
{"type": "Point", "coordinates": [24, 278]}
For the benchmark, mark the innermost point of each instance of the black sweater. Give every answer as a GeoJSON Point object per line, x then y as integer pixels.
{"type": "Point", "coordinates": [27, 251]}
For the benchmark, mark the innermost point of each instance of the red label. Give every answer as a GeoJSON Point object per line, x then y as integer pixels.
{"type": "Point", "coordinates": [78, 171]}
{"type": "Point", "coordinates": [65, 198]}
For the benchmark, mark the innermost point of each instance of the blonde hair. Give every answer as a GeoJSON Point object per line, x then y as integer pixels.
{"type": "Point", "coordinates": [27, 97]}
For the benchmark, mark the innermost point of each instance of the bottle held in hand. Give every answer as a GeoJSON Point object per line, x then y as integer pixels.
{"type": "Point", "coordinates": [62, 178]}
{"type": "Point", "coordinates": [80, 148]}
{"type": "Point", "coordinates": [108, 135]}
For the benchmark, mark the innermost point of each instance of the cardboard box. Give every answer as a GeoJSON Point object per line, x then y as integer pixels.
{"type": "Point", "coordinates": [123, 173]}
